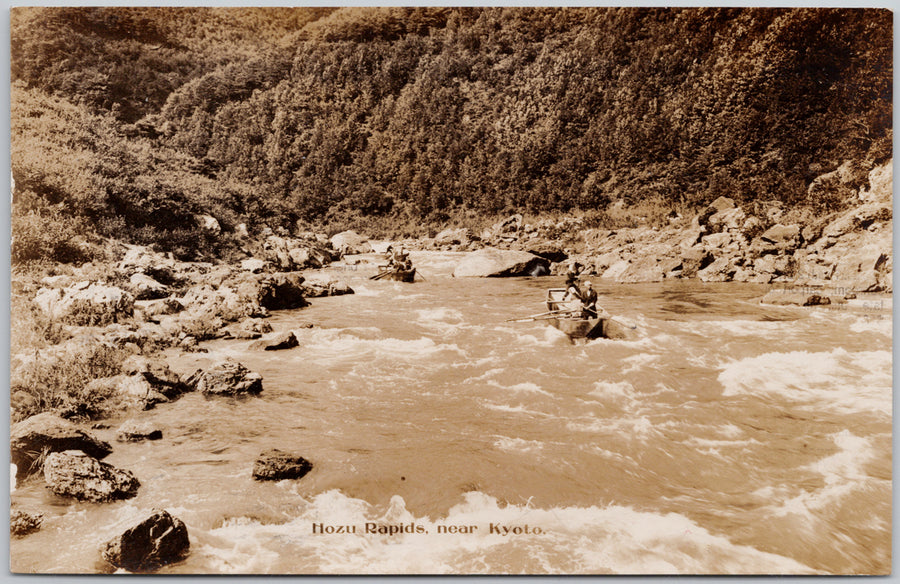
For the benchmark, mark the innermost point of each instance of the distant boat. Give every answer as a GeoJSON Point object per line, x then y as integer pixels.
{"type": "Point", "coordinates": [570, 321]}
{"type": "Point", "coordinates": [397, 274]}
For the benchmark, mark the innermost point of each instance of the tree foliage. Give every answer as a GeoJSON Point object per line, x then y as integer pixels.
{"type": "Point", "coordinates": [278, 114]}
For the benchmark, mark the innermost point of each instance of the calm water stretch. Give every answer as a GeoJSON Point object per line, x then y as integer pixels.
{"type": "Point", "coordinates": [730, 438]}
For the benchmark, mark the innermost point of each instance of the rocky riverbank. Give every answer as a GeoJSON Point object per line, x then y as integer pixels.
{"type": "Point", "coordinates": [839, 254]}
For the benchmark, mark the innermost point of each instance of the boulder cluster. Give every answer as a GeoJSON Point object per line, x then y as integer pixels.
{"type": "Point", "coordinates": [848, 251]}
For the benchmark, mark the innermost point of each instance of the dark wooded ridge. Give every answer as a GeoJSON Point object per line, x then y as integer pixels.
{"type": "Point", "coordinates": [127, 122]}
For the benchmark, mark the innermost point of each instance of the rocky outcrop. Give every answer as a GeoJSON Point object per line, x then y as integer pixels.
{"type": "Point", "coordinates": [282, 291]}
{"type": "Point", "coordinates": [289, 254]}
{"type": "Point", "coordinates": [86, 304]}
{"type": "Point", "coordinates": [318, 285]}
{"type": "Point", "coordinates": [250, 328]}
{"type": "Point", "coordinates": [22, 523]}
{"type": "Point", "coordinates": [491, 263]}
{"type": "Point", "coordinates": [285, 340]}
{"type": "Point", "coordinates": [45, 433]}
{"type": "Point", "coordinates": [75, 474]}
{"type": "Point", "coordinates": [275, 465]}
{"type": "Point", "coordinates": [350, 242]}
{"type": "Point", "coordinates": [143, 287]}
{"type": "Point", "coordinates": [151, 543]}
{"type": "Point", "coordinates": [135, 431]}
{"type": "Point", "coordinates": [227, 378]}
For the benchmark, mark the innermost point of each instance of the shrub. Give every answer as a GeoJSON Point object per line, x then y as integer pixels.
{"type": "Point", "coordinates": [49, 234]}
{"type": "Point", "coordinates": [57, 380]}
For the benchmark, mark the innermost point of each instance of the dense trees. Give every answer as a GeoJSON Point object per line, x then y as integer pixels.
{"type": "Point", "coordinates": [281, 114]}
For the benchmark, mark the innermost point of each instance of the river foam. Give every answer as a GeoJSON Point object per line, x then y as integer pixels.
{"type": "Point", "coordinates": [849, 382]}
{"type": "Point", "coordinates": [571, 540]}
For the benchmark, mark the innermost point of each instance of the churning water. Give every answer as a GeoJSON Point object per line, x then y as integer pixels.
{"type": "Point", "coordinates": [728, 438]}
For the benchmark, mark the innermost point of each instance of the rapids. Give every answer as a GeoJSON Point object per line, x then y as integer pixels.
{"type": "Point", "coordinates": [729, 438]}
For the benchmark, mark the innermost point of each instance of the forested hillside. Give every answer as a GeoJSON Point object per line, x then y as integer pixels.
{"type": "Point", "coordinates": [128, 122]}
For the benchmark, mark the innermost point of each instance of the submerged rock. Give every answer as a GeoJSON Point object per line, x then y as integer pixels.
{"type": "Point", "coordinates": [75, 474]}
{"type": "Point", "coordinates": [46, 433]}
{"type": "Point", "coordinates": [134, 431]}
{"type": "Point", "coordinates": [788, 297]}
{"type": "Point", "coordinates": [492, 263]}
{"type": "Point", "coordinates": [158, 540]}
{"type": "Point", "coordinates": [275, 465]}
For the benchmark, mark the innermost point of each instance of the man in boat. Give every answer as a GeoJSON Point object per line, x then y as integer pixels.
{"type": "Point", "coordinates": [402, 261]}
{"type": "Point", "coordinates": [571, 301]}
{"type": "Point", "coordinates": [589, 301]}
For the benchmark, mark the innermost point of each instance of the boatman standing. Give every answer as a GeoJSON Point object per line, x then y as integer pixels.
{"type": "Point", "coordinates": [588, 301]}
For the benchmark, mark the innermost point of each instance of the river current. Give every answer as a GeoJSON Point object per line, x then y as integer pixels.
{"type": "Point", "coordinates": [727, 438]}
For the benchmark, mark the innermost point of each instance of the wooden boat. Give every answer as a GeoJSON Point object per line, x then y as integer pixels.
{"type": "Point", "coordinates": [568, 319]}
{"type": "Point", "coordinates": [389, 273]}
{"type": "Point", "coordinates": [402, 275]}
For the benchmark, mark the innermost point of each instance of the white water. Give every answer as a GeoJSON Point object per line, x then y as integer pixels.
{"type": "Point", "coordinates": [729, 438]}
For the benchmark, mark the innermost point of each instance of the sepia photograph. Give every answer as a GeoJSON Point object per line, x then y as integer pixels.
{"type": "Point", "coordinates": [440, 290]}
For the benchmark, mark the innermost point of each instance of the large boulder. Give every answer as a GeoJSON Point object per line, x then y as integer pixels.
{"type": "Point", "coordinates": [350, 242]}
{"type": "Point", "coordinates": [275, 465]}
{"type": "Point", "coordinates": [250, 328]}
{"type": "Point", "coordinates": [44, 433]}
{"type": "Point", "coordinates": [449, 237]}
{"type": "Point", "coordinates": [319, 285]}
{"type": "Point", "coordinates": [86, 304]}
{"type": "Point", "coordinates": [143, 287]}
{"type": "Point", "coordinates": [209, 224]}
{"type": "Point", "coordinates": [721, 270]}
{"type": "Point", "coordinates": [282, 291]}
{"type": "Point", "coordinates": [783, 237]}
{"type": "Point", "coordinates": [156, 308]}
{"type": "Point", "coordinates": [719, 205]}
{"type": "Point", "coordinates": [858, 219]}
{"type": "Point", "coordinates": [693, 260]}
{"type": "Point", "coordinates": [227, 378]}
{"type": "Point", "coordinates": [227, 302]}
{"type": "Point", "coordinates": [75, 474]}
{"type": "Point", "coordinates": [291, 254]}
{"type": "Point", "coordinates": [153, 542]}
{"type": "Point", "coordinates": [492, 263]}
{"type": "Point", "coordinates": [642, 269]}
{"type": "Point", "coordinates": [157, 373]}
{"type": "Point", "coordinates": [285, 340]}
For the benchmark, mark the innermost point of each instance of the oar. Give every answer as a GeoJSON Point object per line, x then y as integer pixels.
{"type": "Point", "coordinates": [380, 276]}
{"type": "Point", "coordinates": [541, 316]}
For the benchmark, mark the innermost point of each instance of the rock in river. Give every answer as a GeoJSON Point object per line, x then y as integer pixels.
{"type": "Point", "coordinates": [285, 340]}
{"type": "Point", "coordinates": [275, 465]}
{"type": "Point", "coordinates": [492, 262]}
{"type": "Point", "coordinates": [75, 474]}
{"type": "Point", "coordinates": [227, 378]}
{"type": "Point", "coordinates": [158, 540]}
{"type": "Point", "coordinates": [21, 523]}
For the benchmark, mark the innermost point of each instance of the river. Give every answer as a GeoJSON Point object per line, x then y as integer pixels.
{"type": "Point", "coordinates": [727, 438]}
